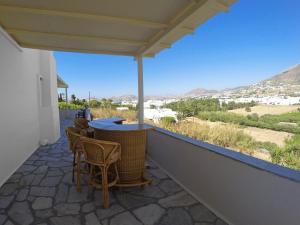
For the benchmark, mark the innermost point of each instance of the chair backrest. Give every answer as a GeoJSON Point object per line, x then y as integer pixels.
{"type": "Point", "coordinates": [81, 123]}
{"type": "Point", "coordinates": [100, 152]}
{"type": "Point", "coordinates": [73, 135]}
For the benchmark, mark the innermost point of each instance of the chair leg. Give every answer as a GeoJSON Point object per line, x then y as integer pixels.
{"type": "Point", "coordinates": [105, 192]}
{"type": "Point", "coordinates": [74, 163]}
{"type": "Point", "coordinates": [78, 172]}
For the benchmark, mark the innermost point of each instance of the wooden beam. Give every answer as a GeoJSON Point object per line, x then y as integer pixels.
{"type": "Point", "coordinates": [89, 16]}
{"type": "Point", "coordinates": [69, 49]}
{"type": "Point", "coordinates": [109, 40]}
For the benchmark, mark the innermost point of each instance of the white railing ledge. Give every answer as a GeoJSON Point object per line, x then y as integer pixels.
{"type": "Point", "coordinates": [278, 170]}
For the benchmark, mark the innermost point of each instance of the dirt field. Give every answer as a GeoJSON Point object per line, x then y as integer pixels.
{"type": "Point", "coordinates": [277, 137]}
{"type": "Point", "coordinates": [267, 109]}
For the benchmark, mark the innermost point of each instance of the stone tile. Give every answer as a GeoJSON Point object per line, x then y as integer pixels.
{"type": "Point", "coordinates": [41, 170]}
{"type": "Point", "coordinates": [42, 203]}
{"type": "Point", "coordinates": [112, 210]}
{"type": "Point", "coordinates": [158, 173]}
{"type": "Point", "coordinates": [64, 220]}
{"type": "Point", "coordinates": [202, 214]}
{"type": "Point", "coordinates": [75, 196]}
{"type": "Point", "coordinates": [67, 209]}
{"type": "Point", "coordinates": [98, 198]}
{"type": "Point", "coordinates": [8, 188]}
{"type": "Point", "coordinates": [2, 218]}
{"type": "Point", "coordinates": [91, 219]}
{"type": "Point", "coordinates": [149, 191]}
{"type": "Point", "coordinates": [20, 213]}
{"type": "Point", "coordinates": [204, 223]}
{"type": "Point", "coordinates": [176, 216]}
{"type": "Point", "coordinates": [45, 213]}
{"type": "Point", "coordinates": [125, 218]}
{"type": "Point", "coordinates": [132, 201]}
{"type": "Point", "coordinates": [54, 173]}
{"type": "Point", "coordinates": [42, 191]}
{"type": "Point", "coordinates": [8, 222]}
{"type": "Point", "coordinates": [67, 178]}
{"type": "Point", "coordinates": [50, 181]}
{"type": "Point", "coordinates": [22, 195]}
{"type": "Point", "coordinates": [14, 178]}
{"type": "Point", "coordinates": [62, 193]}
{"type": "Point", "coordinates": [221, 222]}
{"type": "Point", "coordinates": [5, 201]}
{"type": "Point", "coordinates": [169, 187]}
{"type": "Point", "coordinates": [88, 207]}
{"type": "Point", "coordinates": [177, 200]}
{"type": "Point", "coordinates": [26, 168]}
{"type": "Point", "coordinates": [37, 179]}
{"type": "Point", "coordinates": [27, 180]}
{"type": "Point", "coordinates": [149, 214]}
{"type": "Point", "coordinates": [105, 222]}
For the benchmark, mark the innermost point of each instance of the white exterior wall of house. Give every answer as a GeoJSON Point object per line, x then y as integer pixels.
{"type": "Point", "coordinates": [28, 110]}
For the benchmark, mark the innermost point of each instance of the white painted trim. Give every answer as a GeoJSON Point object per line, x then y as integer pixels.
{"type": "Point", "coordinates": [10, 39]}
{"type": "Point", "coordinates": [190, 192]}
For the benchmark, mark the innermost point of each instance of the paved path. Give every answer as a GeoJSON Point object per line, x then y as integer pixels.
{"type": "Point", "coordinates": [41, 192]}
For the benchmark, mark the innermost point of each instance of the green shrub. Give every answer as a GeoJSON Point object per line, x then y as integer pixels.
{"type": "Point", "coordinates": [266, 122]}
{"type": "Point", "coordinates": [64, 105]}
{"type": "Point", "coordinates": [167, 121]}
{"type": "Point", "coordinates": [248, 109]}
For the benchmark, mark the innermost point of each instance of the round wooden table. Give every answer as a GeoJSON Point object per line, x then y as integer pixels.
{"type": "Point", "coordinates": [132, 138]}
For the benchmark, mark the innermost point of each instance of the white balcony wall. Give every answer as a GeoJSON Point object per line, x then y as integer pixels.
{"type": "Point", "coordinates": [28, 106]}
{"type": "Point", "coordinates": [240, 193]}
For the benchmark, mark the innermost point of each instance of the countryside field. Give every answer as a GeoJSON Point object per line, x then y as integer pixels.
{"type": "Point", "coordinates": [259, 134]}
{"type": "Point", "coordinates": [266, 109]}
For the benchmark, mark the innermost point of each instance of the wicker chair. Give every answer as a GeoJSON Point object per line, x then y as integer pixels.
{"type": "Point", "coordinates": [102, 156]}
{"type": "Point", "coordinates": [83, 125]}
{"type": "Point", "coordinates": [74, 135]}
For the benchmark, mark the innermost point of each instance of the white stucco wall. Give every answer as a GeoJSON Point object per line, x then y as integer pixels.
{"type": "Point", "coordinates": [237, 192]}
{"type": "Point", "coordinates": [25, 118]}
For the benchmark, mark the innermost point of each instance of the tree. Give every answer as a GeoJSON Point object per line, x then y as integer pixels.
{"type": "Point", "coordinates": [73, 98]}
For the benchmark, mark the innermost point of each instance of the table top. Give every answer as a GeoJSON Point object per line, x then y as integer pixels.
{"type": "Point", "coordinates": [110, 124]}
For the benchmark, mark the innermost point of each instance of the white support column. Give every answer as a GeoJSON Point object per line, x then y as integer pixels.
{"type": "Point", "coordinates": [66, 90]}
{"type": "Point", "coordinates": [140, 90]}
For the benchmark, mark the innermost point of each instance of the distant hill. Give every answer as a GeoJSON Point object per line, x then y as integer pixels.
{"type": "Point", "coordinates": [200, 92]}
{"type": "Point", "coordinates": [284, 83]}
{"type": "Point", "coordinates": [290, 76]}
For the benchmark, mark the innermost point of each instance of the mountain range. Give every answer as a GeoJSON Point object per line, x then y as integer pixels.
{"type": "Point", "coordinates": [284, 83]}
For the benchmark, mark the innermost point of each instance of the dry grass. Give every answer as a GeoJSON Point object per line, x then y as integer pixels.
{"type": "Point", "coordinates": [266, 135]}
{"type": "Point", "coordinates": [259, 134]}
{"type": "Point", "coordinates": [267, 109]}
{"type": "Point", "coordinates": [129, 115]}
{"type": "Point", "coordinates": [225, 135]}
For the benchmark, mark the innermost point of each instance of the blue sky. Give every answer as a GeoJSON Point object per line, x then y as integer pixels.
{"type": "Point", "coordinates": [254, 40]}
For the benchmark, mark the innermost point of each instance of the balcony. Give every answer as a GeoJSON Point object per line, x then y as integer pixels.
{"type": "Point", "coordinates": [193, 182]}
{"type": "Point", "coordinates": [41, 192]}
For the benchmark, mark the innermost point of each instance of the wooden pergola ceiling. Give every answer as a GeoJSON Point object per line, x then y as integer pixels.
{"type": "Point", "coordinates": [118, 27]}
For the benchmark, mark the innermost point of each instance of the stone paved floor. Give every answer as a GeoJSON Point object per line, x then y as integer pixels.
{"type": "Point", "coordinates": [41, 192]}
